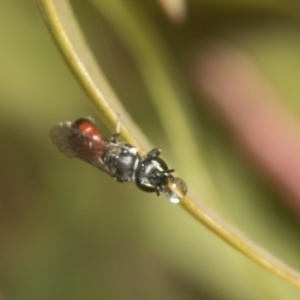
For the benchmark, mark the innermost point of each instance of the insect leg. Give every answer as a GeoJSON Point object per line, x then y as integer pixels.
{"type": "Point", "coordinates": [115, 136]}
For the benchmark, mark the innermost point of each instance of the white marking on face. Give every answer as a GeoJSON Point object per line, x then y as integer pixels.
{"type": "Point", "coordinates": [156, 164]}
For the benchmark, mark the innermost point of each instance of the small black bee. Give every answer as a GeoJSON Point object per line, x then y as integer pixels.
{"type": "Point", "coordinates": [82, 139]}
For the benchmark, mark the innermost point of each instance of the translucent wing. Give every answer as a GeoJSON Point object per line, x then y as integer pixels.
{"type": "Point", "coordinates": [60, 135]}
{"type": "Point", "coordinates": [80, 139]}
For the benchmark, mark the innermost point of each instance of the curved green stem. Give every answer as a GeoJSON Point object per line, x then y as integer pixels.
{"type": "Point", "coordinates": [65, 30]}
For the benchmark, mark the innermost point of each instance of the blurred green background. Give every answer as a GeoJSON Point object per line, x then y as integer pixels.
{"type": "Point", "coordinates": [68, 231]}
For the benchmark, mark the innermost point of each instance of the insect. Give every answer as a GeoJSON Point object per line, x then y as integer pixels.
{"type": "Point", "coordinates": [82, 139]}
